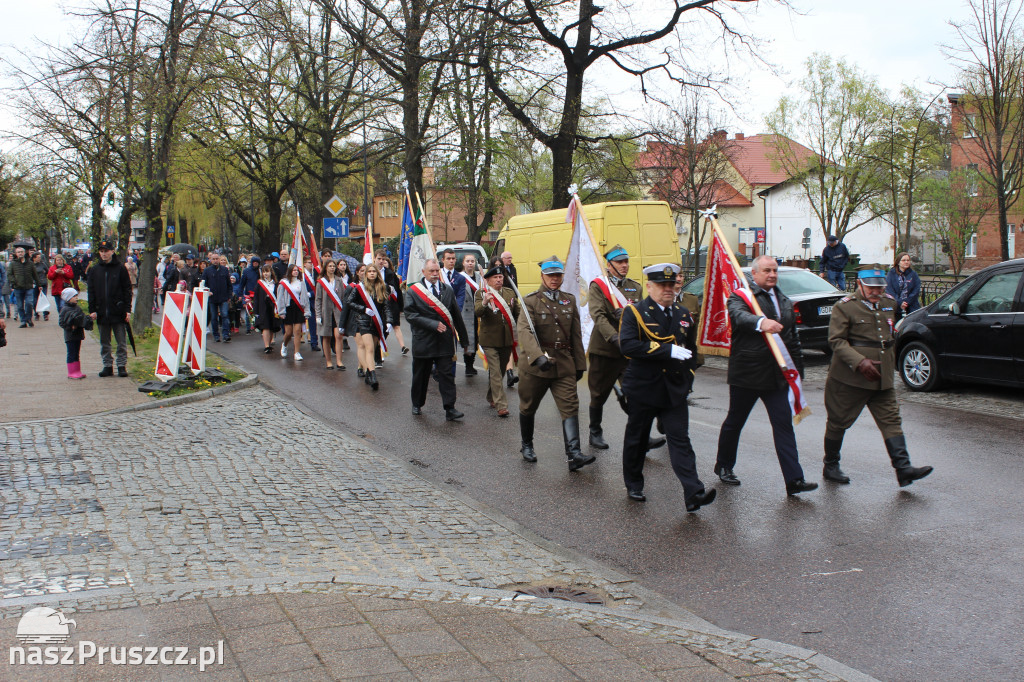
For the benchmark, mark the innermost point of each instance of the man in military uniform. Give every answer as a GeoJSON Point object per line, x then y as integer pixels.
{"type": "Point", "coordinates": [495, 328]}
{"type": "Point", "coordinates": [551, 357]}
{"type": "Point", "coordinates": [863, 363]}
{"type": "Point", "coordinates": [605, 361]}
{"type": "Point", "coordinates": [660, 338]}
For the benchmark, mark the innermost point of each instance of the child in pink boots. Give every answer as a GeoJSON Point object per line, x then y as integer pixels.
{"type": "Point", "coordinates": [74, 321]}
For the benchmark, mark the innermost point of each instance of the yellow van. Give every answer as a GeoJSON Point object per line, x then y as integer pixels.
{"type": "Point", "coordinates": [644, 228]}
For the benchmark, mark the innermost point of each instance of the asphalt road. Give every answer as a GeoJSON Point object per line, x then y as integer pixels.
{"type": "Point", "coordinates": [919, 583]}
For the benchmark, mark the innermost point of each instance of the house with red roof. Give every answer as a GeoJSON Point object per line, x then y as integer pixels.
{"type": "Point", "coordinates": [760, 209]}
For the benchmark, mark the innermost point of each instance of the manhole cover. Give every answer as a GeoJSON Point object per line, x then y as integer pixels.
{"type": "Point", "coordinates": [563, 592]}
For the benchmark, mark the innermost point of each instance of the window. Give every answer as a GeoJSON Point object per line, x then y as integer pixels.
{"type": "Point", "coordinates": [972, 182]}
{"type": "Point", "coordinates": [970, 125]}
{"type": "Point", "coordinates": [972, 247]}
{"type": "Point", "coordinates": [995, 296]}
{"type": "Point", "coordinates": [382, 206]}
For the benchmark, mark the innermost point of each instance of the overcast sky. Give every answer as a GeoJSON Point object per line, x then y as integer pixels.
{"type": "Point", "coordinates": [896, 41]}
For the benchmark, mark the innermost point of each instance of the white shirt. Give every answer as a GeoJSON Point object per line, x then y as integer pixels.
{"type": "Point", "coordinates": [775, 302]}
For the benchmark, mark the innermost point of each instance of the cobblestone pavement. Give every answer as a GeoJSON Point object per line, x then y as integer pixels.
{"type": "Point", "coordinates": [163, 506]}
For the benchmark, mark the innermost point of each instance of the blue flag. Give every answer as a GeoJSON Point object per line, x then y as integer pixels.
{"type": "Point", "coordinates": [405, 241]}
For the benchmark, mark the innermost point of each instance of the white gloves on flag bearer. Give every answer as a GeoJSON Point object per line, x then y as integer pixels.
{"type": "Point", "coordinates": [680, 353]}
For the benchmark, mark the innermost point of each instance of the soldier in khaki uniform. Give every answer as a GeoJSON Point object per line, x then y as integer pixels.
{"type": "Point", "coordinates": [606, 364]}
{"type": "Point", "coordinates": [553, 359]}
{"type": "Point", "coordinates": [861, 373]}
{"type": "Point", "coordinates": [494, 333]}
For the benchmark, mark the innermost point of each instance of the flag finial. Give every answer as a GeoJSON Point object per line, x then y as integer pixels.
{"type": "Point", "coordinates": [574, 189]}
{"type": "Point", "coordinates": [711, 212]}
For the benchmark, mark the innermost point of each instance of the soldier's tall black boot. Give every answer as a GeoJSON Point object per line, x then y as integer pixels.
{"type": "Point", "coordinates": [470, 371]}
{"type": "Point", "coordinates": [831, 471]}
{"type": "Point", "coordinates": [526, 435]}
{"type": "Point", "coordinates": [571, 433]}
{"type": "Point", "coordinates": [905, 473]}
{"type": "Point", "coordinates": [596, 432]}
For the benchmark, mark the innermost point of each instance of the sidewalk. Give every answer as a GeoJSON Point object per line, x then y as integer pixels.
{"type": "Point", "coordinates": [34, 380]}
{"type": "Point", "coordinates": [319, 558]}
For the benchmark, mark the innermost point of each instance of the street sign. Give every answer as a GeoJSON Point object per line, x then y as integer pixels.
{"type": "Point", "coordinates": [335, 228]}
{"type": "Point", "coordinates": [170, 230]}
{"type": "Point", "coordinates": [335, 205]}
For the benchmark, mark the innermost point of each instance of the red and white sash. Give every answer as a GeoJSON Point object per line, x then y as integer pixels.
{"type": "Point", "coordinates": [371, 310]}
{"type": "Point", "coordinates": [612, 293]}
{"type": "Point", "coordinates": [329, 290]}
{"type": "Point", "coordinates": [310, 282]}
{"type": "Point", "coordinates": [470, 282]}
{"type": "Point", "coordinates": [291, 293]}
{"type": "Point", "coordinates": [499, 305]}
{"type": "Point", "coordinates": [435, 304]}
{"type": "Point", "coordinates": [267, 290]}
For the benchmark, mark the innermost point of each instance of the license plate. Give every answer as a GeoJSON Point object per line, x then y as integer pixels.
{"type": "Point", "coordinates": [825, 310]}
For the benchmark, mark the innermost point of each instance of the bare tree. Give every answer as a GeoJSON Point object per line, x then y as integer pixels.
{"type": "Point", "coordinates": [570, 29]}
{"type": "Point", "coordinates": [687, 162]}
{"type": "Point", "coordinates": [953, 206]}
{"type": "Point", "coordinates": [990, 55]}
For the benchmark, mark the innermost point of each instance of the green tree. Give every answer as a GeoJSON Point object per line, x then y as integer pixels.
{"type": "Point", "coordinates": [953, 205]}
{"type": "Point", "coordinates": [838, 115]}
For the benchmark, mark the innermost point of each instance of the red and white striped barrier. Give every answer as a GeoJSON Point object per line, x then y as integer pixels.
{"type": "Point", "coordinates": [170, 335]}
{"type": "Point", "coordinates": [195, 334]}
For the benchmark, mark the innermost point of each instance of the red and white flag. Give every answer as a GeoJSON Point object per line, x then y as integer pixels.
{"type": "Point", "coordinates": [723, 278]}
{"type": "Point", "coordinates": [368, 243]}
{"type": "Point", "coordinates": [312, 255]}
{"type": "Point", "coordinates": [584, 265]}
{"type": "Point", "coordinates": [298, 244]}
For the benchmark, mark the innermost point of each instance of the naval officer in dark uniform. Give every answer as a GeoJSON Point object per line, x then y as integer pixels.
{"type": "Point", "coordinates": [861, 374]}
{"type": "Point", "coordinates": [660, 339]}
{"type": "Point", "coordinates": [552, 359]}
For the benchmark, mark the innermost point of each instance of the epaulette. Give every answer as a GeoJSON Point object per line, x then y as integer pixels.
{"type": "Point", "coordinates": [533, 293]}
{"type": "Point", "coordinates": [844, 299]}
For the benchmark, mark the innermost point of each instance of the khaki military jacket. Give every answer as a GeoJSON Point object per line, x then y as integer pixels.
{"type": "Point", "coordinates": [604, 339]}
{"type": "Point", "coordinates": [558, 332]}
{"type": "Point", "coordinates": [491, 328]}
{"type": "Point", "coordinates": [857, 332]}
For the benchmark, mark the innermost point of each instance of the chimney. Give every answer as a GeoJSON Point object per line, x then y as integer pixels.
{"type": "Point", "coordinates": [720, 135]}
{"type": "Point", "coordinates": [739, 136]}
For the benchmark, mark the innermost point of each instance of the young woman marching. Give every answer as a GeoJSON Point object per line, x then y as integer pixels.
{"type": "Point", "coordinates": [265, 307]}
{"type": "Point", "coordinates": [351, 316]}
{"type": "Point", "coordinates": [330, 311]}
{"type": "Point", "coordinates": [293, 306]}
{"type": "Point", "coordinates": [369, 300]}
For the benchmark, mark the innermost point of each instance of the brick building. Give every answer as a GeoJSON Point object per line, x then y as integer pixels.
{"type": "Point", "coordinates": [985, 248]}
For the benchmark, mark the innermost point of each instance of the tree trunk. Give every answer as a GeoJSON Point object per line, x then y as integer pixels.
{"type": "Point", "coordinates": [271, 239]}
{"type": "Point", "coordinates": [183, 233]}
{"type": "Point", "coordinates": [147, 269]}
{"type": "Point", "coordinates": [96, 222]}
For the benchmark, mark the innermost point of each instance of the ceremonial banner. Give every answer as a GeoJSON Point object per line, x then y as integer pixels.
{"type": "Point", "coordinates": [298, 244]}
{"type": "Point", "coordinates": [583, 265]}
{"type": "Point", "coordinates": [421, 247]}
{"type": "Point", "coordinates": [405, 241]}
{"type": "Point", "coordinates": [714, 336]}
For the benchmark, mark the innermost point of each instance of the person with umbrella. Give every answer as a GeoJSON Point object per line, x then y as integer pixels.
{"type": "Point", "coordinates": [110, 305]}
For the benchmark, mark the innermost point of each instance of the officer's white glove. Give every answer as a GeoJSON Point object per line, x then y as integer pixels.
{"type": "Point", "coordinates": [318, 323]}
{"type": "Point", "coordinates": [680, 353]}
{"type": "Point", "coordinates": [389, 328]}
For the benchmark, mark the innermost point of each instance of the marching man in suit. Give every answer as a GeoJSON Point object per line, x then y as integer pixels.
{"type": "Point", "coordinates": [435, 319]}
{"type": "Point", "coordinates": [660, 339]}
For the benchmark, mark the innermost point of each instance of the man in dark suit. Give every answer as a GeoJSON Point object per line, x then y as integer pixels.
{"type": "Point", "coordinates": [508, 269]}
{"type": "Point", "coordinates": [659, 338]}
{"type": "Point", "coordinates": [431, 311]}
{"type": "Point", "coordinates": [754, 375]}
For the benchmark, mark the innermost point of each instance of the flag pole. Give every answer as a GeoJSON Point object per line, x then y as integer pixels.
{"type": "Point", "coordinates": [590, 233]}
{"type": "Point", "coordinates": [712, 218]}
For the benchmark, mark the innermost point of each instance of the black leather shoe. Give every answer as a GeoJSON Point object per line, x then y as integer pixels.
{"type": "Point", "coordinates": [727, 476]}
{"type": "Point", "coordinates": [122, 371]}
{"type": "Point", "coordinates": [655, 443]}
{"type": "Point", "coordinates": [510, 378]}
{"type": "Point", "coordinates": [107, 372]}
{"type": "Point", "coordinates": [636, 495]}
{"type": "Point", "coordinates": [701, 499]}
{"type": "Point", "coordinates": [908, 475]}
{"type": "Point", "coordinates": [361, 373]}
{"type": "Point", "coordinates": [799, 486]}
{"type": "Point", "coordinates": [597, 440]}
{"type": "Point", "coordinates": [528, 452]}
{"type": "Point", "coordinates": [416, 410]}
{"type": "Point", "coordinates": [453, 414]}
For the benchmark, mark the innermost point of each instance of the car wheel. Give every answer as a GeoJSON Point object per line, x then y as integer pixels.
{"type": "Point", "coordinates": [919, 368]}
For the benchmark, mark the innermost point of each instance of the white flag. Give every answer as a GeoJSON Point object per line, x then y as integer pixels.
{"type": "Point", "coordinates": [582, 266]}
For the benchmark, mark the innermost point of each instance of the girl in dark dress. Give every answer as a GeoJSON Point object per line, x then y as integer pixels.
{"type": "Point", "coordinates": [368, 335]}
{"type": "Point", "coordinates": [289, 290]}
{"type": "Point", "coordinates": [265, 307]}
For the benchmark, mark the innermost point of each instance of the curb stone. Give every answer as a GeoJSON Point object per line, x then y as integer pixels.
{"type": "Point", "coordinates": [790, 661]}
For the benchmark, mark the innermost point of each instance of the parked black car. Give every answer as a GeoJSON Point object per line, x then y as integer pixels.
{"type": "Point", "coordinates": [812, 296]}
{"type": "Point", "coordinates": [974, 333]}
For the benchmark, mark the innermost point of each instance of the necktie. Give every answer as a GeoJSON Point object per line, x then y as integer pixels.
{"type": "Point", "coordinates": [433, 288]}
{"type": "Point", "coordinates": [451, 276]}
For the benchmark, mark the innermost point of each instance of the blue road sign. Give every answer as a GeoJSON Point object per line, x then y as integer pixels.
{"type": "Point", "coordinates": [335, 227]}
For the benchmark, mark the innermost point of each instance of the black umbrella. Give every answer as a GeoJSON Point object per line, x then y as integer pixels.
{"type": "Point", "coordinates": [182, 248]}
{"type": "Point", "coordinates": [131, 337]}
